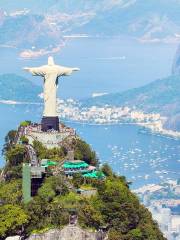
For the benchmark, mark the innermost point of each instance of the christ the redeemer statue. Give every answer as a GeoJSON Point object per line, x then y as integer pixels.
{"type": "Point", "coordinates": [51, 74]}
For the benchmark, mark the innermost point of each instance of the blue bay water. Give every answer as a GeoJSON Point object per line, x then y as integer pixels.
{"type": "Point", "coordinates": [107, 65]}
{"type": "Point", "coordinates": [142, 158]}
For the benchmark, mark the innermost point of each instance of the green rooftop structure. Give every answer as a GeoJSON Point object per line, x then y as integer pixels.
{"type": "Point", "coordinates": [94, 174]}
{"type": "Point", "coordinates": [75, 164]}
{"type": "Point", "coordinates": [48, 163]}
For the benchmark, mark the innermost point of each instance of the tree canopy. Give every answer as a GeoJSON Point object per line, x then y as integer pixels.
{"type": "Point", "coordinates": [13, 217]}
{"type": "Point", "coordinates": [113, 205]}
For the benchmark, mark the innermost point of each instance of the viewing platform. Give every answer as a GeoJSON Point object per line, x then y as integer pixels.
{"type": "Point", "coordinates": [51, 138]}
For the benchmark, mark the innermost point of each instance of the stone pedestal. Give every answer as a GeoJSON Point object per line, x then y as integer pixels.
{"type": "Point", "coordinates": [48, 123]}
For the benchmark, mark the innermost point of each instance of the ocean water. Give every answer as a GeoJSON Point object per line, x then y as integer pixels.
{"type": "Point", "coordinates": [141, 157]}
{"type": "Point", "coordinates": [107, 65]}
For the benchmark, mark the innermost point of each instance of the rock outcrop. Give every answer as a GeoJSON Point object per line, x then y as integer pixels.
{"type": "Point", "coordinates": [69, 233]}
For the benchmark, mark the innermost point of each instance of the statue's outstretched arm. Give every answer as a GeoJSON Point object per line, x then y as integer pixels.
{"type": "Point", "coordinates": [37, 71]}
{"type": "Point", "coordinates": [65, 71]}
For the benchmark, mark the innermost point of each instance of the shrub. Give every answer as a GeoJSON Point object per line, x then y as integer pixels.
{"type": "Point", "coordinates": [24, 140]}
{"type": "Point", "coordinates": [25, 123]}
{"type": "Point", "coordinates": [13, 217]}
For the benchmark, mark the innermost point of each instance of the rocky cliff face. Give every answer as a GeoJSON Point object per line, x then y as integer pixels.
{"type": "Point", "coordinates": [68, 233]}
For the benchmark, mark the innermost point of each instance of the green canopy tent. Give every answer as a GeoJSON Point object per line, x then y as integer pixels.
{"type": "Point", "coordinates": [48, 163]}
{"type": "Point", "coordinates": [75, 165]}
{"type": "Point", "coordinates": [95, 174]}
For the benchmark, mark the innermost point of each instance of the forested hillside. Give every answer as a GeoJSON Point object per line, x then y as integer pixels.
{"type": "Point", "coordinates": [114, 206]}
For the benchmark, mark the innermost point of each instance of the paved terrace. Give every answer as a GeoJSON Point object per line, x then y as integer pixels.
{"type": "Point", "coordinates": [51, 138]}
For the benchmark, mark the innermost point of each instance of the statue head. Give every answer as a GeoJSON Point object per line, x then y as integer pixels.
{"type": "Point", "coordinates": [50, 61]}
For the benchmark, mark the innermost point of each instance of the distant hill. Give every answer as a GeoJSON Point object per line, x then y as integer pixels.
{"type": "Point", "coordinates": [26, 30]}
{"type": "Point", "coordinates": [161, 96]}
{"type": "Point", "coordinates": [17, 88]}
{"type": "Point", "coordinates": [42, 24]}
{"type": "Point", "coordinates": [153, 20]}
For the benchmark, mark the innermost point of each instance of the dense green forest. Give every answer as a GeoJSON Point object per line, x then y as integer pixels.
{"type": "Point", "coordinates": [114, 206]}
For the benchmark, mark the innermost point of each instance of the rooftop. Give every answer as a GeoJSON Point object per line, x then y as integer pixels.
{"type": "Point", "coordinates": [95, 174]}
{"type": "Point", "coordinates": [48, 163]}
{"type": "Point", "coordinates": [75, 164]}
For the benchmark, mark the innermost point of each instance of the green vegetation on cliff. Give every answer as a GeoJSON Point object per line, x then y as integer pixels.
{"type": "Point", "coordinates": [113, 205]}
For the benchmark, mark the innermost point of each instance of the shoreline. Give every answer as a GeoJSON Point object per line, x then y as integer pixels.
{"type": "Point", "coordinates": [146, 126]}
{"type": "Point", "coordinates": [155, 127]}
